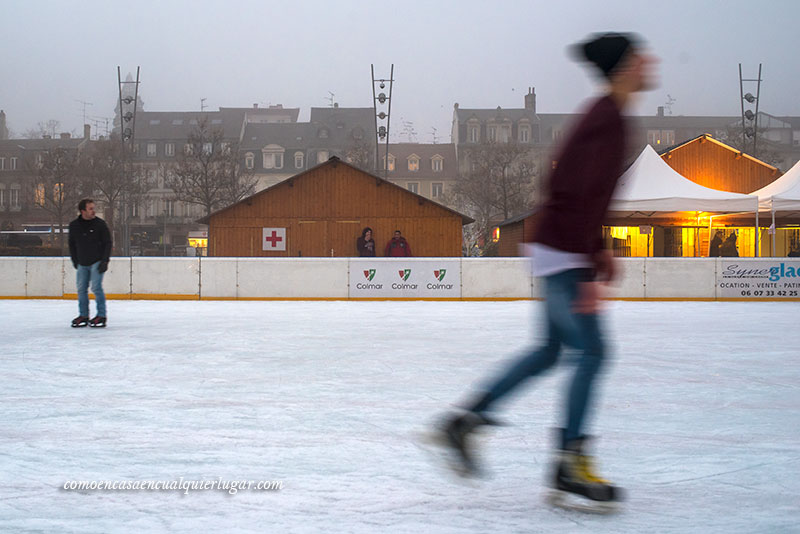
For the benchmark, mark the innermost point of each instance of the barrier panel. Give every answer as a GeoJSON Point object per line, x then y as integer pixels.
{"type": "Point", "coordinates": [680, 278]}
{"type": "Point", "coordinates": [496, 278]}
{"type": "Point", "coordinates": [219, 278]}
{"type": "Point", "coordinates": [429, 278]}
{"type": "Point", "coordinates": [44, 277]}
{"type": "Point", "coordinates": [13, 272]}
{"type": "Point", "coordinates": [165, 277]}
{"type": "Point", "coordinates": [292, 278]}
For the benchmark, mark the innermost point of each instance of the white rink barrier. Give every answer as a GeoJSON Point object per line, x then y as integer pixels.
{"type": "Point", "coordinates": [334, 278]}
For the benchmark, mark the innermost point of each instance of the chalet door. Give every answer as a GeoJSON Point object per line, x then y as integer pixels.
{"type": "Point", "coordinates": [309, 238]}
{"type": "Point", "coordinates": [342, 236]}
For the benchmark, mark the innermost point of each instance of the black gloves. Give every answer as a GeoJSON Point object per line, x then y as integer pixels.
{"type": "Point", "coordinates": [103, 267]}
{"type": "Point", "coordinates": [75, 264]}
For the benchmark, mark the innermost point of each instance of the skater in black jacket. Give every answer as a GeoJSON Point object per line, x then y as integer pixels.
{"type": "Point", "coordinates": [568, 255]}
{"type": "Point", "coordinates": [90, 250]}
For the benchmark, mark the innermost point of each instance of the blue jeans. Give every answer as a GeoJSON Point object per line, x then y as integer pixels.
{"type": "Point", "coordinates": [84, 275]}
{"type": "Point", "coordinates": [564, 326]}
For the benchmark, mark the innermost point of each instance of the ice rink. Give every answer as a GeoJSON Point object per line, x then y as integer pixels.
{"type": "Point", "coordinates": [700, 417]}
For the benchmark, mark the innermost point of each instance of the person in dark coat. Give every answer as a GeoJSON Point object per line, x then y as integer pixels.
{"type": "Point", "coordinates": [398, 247]}
{"type": "Point", "coordinates": [716, 243]}
{"type": "Point", "coordinates": [569, 256]}
{"type": "Point", "coordinates": [365, 244]}
{"type": "Point", "coordinates": [90, 250]}
{"type": "Point", "coordinates": [728, 248]}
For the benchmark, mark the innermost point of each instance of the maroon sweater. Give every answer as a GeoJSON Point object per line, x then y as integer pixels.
{"type": "Point", "coordinates": [581, 185]}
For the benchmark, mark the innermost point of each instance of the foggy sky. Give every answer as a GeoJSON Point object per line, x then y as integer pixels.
{"type": "Point", "coordinates": [480, 54]}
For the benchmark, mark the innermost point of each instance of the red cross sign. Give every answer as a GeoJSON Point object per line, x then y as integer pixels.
{"type": "Point", "coordinates": [273, 239]}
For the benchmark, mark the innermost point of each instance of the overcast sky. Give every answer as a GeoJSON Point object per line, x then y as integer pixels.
{"type": "Point", "coordinates": [481, 54]}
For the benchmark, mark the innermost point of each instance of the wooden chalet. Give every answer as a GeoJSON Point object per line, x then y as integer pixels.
{"type": "Point", "coordinates": [321, 212]}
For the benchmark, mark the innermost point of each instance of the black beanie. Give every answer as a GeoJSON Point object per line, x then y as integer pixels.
{"type": "Point", "coordinates": [605, 50]}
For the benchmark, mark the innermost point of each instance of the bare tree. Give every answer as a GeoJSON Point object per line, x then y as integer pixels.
{"type": "Point", "coordinates": [360, 155]}
{"type": "Point", "coordinates": [48, 128]}
{"type": "Point", "coordinates": [498, 185]}
{"type": "Point", "coordinates": [103, 165]}
{"type": "Point", "coordinates": [58, 185]}
{"type": "Point", "coordinates": [209, 172]}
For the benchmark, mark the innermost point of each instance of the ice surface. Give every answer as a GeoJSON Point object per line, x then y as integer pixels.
{"type": "Point", "coordinates": [699, 417]}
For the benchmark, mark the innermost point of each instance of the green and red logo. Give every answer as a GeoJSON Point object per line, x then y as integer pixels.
{"type": "Point", "coordinates": [439, 275]}
{"type": "Point", "coordinates": [404, 274]}
{"type": "Point", "coordinates": [370, 274]}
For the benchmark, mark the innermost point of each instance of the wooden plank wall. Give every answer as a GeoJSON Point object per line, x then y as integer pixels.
{"type": "Point", "coordinates": [324, 212]}
{"type": "Point", "coordinates": [712, 165]}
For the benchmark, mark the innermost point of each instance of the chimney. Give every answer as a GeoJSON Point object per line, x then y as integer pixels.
{"type": "Point", "coordinates": [87, 131]}
{"type": "Point", "coordinates": [530, 99]}
{"type": "Point", "coordinates": [660, 112]}
{"type": "Point", "coordinates": [65, 135]}
{"type": "Point", "coordinates": [335, 104]}
{"type": "Point", "coordinates": [255, 106]}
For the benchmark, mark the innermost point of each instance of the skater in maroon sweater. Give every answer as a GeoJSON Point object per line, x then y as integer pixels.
{"type": "Point", "coordinates": [568, 255]}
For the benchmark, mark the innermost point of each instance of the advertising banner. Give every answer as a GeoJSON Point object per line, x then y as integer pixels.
{"type": "Point", "coordinates": [403, 278]}
{"type": "Point", "coordinates": [773, 278]}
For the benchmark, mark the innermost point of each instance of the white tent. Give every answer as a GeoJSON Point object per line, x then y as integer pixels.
{"type": "Point", "coordinates": [783, 194]}
{"type": "Point", "coordinates": [650, 187]}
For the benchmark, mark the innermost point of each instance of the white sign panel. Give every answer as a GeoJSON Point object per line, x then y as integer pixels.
{"type": "Point", "coordinates": [273, 239]}
{"type": "Point", "coordinates": [403, 278]}
{"type": "Point", "coordinates": [774, 278]}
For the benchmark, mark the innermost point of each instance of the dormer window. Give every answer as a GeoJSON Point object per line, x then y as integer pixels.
{"type": "Point", "coordinates": [249, 160]}
{"type": "Point", "coordinates": [413, 163]}
{"type": "Point", "coordinates": [391, 162]}
{"type": "Point", "coordinates": [272, 156]}
{"type": "Point", "coordinates": [437, 163]}
{"type": "Point", "coordinates": [298, 160]}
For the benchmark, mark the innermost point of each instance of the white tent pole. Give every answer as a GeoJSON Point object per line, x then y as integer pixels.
{"type": "Point", "coordinates": [757, 229]}
{"type": "Point", "coordinates": [774, 230]}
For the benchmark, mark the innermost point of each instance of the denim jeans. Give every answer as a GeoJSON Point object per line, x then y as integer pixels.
{"type": "Point", "coordinates": [564, 327]}
{"type": "Point", "coordinates": [84, 275]}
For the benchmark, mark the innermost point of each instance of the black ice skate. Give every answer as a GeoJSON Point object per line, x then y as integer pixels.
{"type": "Point", "coordinates": [578, 487]}
{"type": "Point", "coordinates": [455, 433]}
{"type": "Point", "coordinates": [80, 321]}
{"type": "Point", "coordinates": [98, 322]}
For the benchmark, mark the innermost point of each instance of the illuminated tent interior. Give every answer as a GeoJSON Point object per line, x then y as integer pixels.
{"type": "Point", "coordinates": [781, 199]}
{"type": "Point", "coordinates": [655, 211]}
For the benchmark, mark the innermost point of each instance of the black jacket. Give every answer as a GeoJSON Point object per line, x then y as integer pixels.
{"type": "Point", "coordinates": [89, 241]}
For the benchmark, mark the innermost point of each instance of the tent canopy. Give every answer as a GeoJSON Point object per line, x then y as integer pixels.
{"type": "Point", "coordinates": [651, 188]}
{"type": "Point", "coordinates": [783, 194]}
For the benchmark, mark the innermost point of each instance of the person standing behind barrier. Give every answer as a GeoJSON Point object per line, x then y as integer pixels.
{"type": "Point", "coordinates": [90, 250]}
{"type": "Point", "coordinates": [398, 247]}
{"type": "Point", "coordinates": [365, 244]}
{"type": "Point", "coordinates": [728, 248]}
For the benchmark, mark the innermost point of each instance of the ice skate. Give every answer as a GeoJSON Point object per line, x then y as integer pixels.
{"type": "Point", "coordinates": [455, 434]}
{"type": "Point", "coordinates": [98, 322]}
{"type": "Point", "coordinates": [80, 321]}
{"type": "Point", "coordinates": [577, 487]}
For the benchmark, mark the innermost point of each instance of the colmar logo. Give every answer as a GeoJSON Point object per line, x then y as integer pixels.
{"type": "Point", "coordinates": [370, 274]}
{"type": "Point", "coordinates": [404, 274]}
{"type": "Point", "coordinates": [439, 275]}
